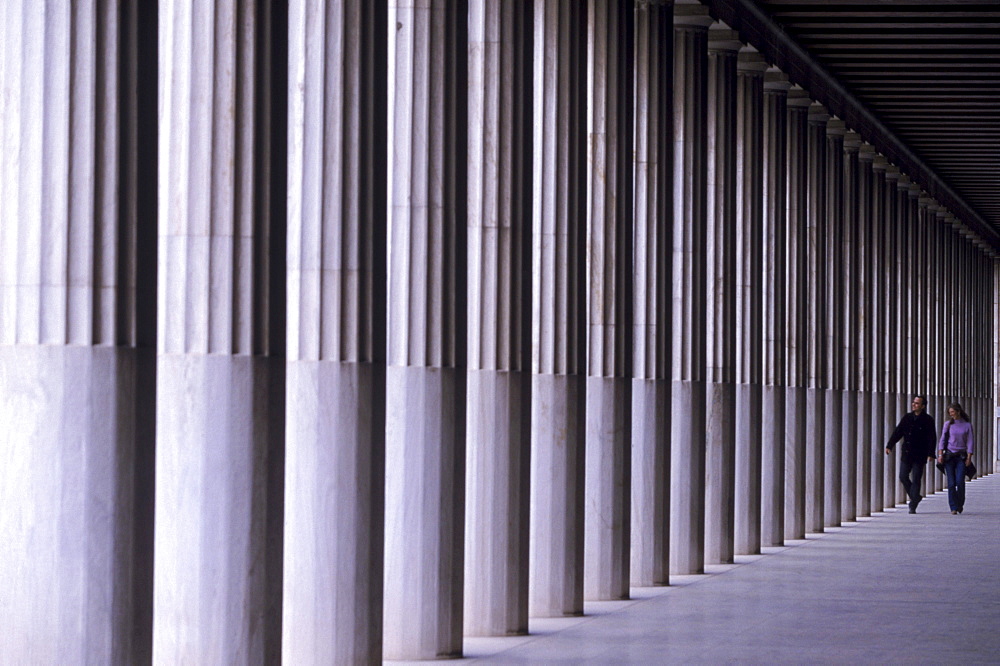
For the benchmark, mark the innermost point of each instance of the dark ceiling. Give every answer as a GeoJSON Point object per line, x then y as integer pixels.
{"type": "Point", "coordinates": [925, 70]}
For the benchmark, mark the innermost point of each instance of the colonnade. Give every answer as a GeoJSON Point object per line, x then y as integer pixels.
{"type": "Point", "coordinates": [454, 314]}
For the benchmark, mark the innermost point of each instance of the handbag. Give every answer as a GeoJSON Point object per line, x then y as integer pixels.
{"type": "Point", "coordinates": [945, 453]}
{"type": "Point", "coordinates": [970, 470]}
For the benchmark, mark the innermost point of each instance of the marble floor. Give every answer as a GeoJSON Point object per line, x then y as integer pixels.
{"type": "Point", "coordinates": [894, 588]}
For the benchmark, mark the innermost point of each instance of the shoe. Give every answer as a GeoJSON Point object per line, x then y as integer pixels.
{"type": "Point", "coordinates": [913, 509]}
{"type": "Point", "coordinates": [954, 513]}
{"type": "Point", "coordinates": [960, 510]}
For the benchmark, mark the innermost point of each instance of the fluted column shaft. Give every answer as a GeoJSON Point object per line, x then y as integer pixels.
{"type": "Point", "coordinates": [221, 336]}
{"type": "Point", "coordinates": [609, 360]}
{"type": "Point", "coordinates": [865, 311]}
{"type": "Point", "coordinates": [890, 366]}
{"type": "Point", "coordinates": [834, 303]}
{"type": "Point", "coordinates": [559, 309]}
{"type": "Point", "coordinates": [653, 229]}
{"type": "Point", "coordinates": [720, 400]}
{"type": "Point", "coordinates": [499, 391]}
{"type": "Point", "coordinates": [426, 376]}
{"type": "Point", "coordinates": [335, 372]}
{"type": "Point", "coordinates": [775, 431]}
{"type": "Point", "coordinates": [797, 310]}
{"type": "Point", "coordinates": [749, 310]}
{"type": "Point", "coordinates": [875, 441]}
{"type": "Point", "coordinates": [77, 331]}
{"type": "Point", "coordinates": [688, 308]}
{"type": "Point", "coordinates": [816, 434]}
{"type": "Point", "coordinates": [851, 280]}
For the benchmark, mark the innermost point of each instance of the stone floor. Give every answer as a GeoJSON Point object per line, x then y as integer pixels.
{"type": "Point", "coordinates": [891, 589]}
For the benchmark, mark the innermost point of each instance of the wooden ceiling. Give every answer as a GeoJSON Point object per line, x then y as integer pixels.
{"type": "Point", "coordinates": [925, 71]}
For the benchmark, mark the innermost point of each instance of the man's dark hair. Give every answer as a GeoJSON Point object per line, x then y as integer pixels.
{"type": "Point", "coordinates": [923, 400]}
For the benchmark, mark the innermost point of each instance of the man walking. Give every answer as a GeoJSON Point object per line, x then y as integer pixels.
{"type": "Point", "coordinates": [916, 429]}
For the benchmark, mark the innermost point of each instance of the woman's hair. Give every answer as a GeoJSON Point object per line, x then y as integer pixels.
{"type": "Point", "coordinates": [961, 412]}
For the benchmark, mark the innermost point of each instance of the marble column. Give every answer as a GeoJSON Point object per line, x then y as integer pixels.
{"type": "Point", "coordinates": [720, 398]}
{"type": "Point", "coordinates": [816, 435]}
{"type": "Point", "coordinates": [749, 322]}
{"type": "Point", "coordinates": [426, 377]}
{"type": "Point", "coordinates": [651, 295]}
{"type": "Point", "coordinates": [851, 280]}
{"type": "Point", "coordinates": [611, 28]}
{"type": "Point", "coordinates": [688, 304]}
{"type": "Point", "coordinates": [335, 372]}
{"type": "Point", "coordinates": [558, 406]}
{"type": "Point", "coordinates": [833, 301]}
{"type": "Point", "coordinates": [77, 331]}
{"type": "Point", "coordinates": [797, 309]}
{"type": "Point", "coordinates": [866, 446]}
{"type": "Point", "coordinates": [876, 439]}
{"type": "Point", "coordinates": [498, 439]}
{"type": "Point", "coordinates": [220, 414]}
{"type": "Point", "coordinates": [774, 423]}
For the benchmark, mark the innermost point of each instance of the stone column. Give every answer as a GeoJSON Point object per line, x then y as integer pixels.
{"type": "Point", "coordinates": [921, 300]}
{"type": "Point", "coordinates": [688, 305]}
{"type": "Point", "coordinates": [910, 362]}
{"type": "Point", "coordinates": [797, 312]}
{"type": "Point", "coordinates": [609, 359]}
{"type": "Point", "coordinates": [220, 417]}
{"type": "Point", "coordinates": [877, 437]}
{"type": "Point", "coordinates": [816, 435]}
{"type": "Point", "coordinates": [775, 431]}
{"type": "Point", "coordinates": [653, 228]}
{"type": "Point", "coordinates": [937, 341]}
{"type": "Point", "coordinates": [851, 281]}
{"type": "Point", "coordinates": [833, 300]}
{"type": "Point", "coordinates": [77, 331]}
{"type": "Point", "coordinates": [866, 445]}
{"type": "Point", "coordinates": [335, 372]}
{"type": "Point", "coordinates": [890, 288]}
{"type": "Point", "coordinates": [558, 309]}
{"type": "Point", "coordinates": [749, 323]}
{"type": "Point", "coordinates": [720, 399]}
{"type": "Point", "coordinates": [426, 376]}
{"type": "Point", "coordinates": [498, 441]}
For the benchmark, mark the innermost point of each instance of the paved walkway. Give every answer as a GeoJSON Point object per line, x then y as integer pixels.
{"type": "Point", "coordinates": [891, 589]}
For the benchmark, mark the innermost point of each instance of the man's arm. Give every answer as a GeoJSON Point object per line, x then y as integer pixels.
{"type": "Point", "coordinates": [897, 435]}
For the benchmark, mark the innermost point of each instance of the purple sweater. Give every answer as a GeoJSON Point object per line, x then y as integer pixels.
{"type": "Point", "coordinates": [959, 434]}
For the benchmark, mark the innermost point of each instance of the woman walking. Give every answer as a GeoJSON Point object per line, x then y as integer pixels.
{"type": "Point", "coordinates": [955, 451]}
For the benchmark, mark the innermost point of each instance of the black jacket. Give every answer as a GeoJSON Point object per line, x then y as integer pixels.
{"type": "Point", "coordinates": [917, 433]}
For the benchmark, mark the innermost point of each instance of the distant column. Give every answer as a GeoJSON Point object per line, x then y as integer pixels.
{"type": "Point", "coordinates": [720, 399]}
{"type": "Point", "coordinates": [335, 433]}
{"type": "Point", "coordinates": [879, 318]}
{"type": "Point", "coordinates": [220, 376]}
{"type": "Point", "coordinates": [609, 359]}
{"type": "Point", "coordinates": [774, 422]}
{"type": "Point", "coordinates": [833, 299]}
{"type": "Point", "coordinates": [498, 442]}
{"type": "Point", "coordinates": [890, 288]}
{"type": "Point", "coordinates": [749, 313]}
{"type": "Point", "coordinates": [797, 313]}
{"type": "Point", "coordinates": [426, 376]}
{"type": "Point", "coordinates": [866, 313]}
{"type": "Point", "coordinates": [852, 315]}
{"type": "Point", "coordinates": [78, 103]}
{"type": "Point", "coordinates": [558, 309]}
{"type": "Point", "coordinates": [653, 228]}
{"type": "Point", "coordinates": [688, 312]}
{"type": "Point", "coordinates": [816, 435]}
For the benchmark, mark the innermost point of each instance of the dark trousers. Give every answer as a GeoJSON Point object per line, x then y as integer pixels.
{"type": "Point", "coordinates": [911, 473]}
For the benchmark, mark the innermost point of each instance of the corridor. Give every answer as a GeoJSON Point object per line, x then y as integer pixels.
{"type": "Point", "coordinates": [870, 592]}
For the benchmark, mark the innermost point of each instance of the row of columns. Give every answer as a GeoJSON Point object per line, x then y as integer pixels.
{"type": "Point", "coordinates": [637, 304]}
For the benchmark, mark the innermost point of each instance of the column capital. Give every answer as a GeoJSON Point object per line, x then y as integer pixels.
{"type": "Point", "coordinates": [818, 113]}
{"type": "Point", "coordinates": [836, 127]}
{"type": "Point", "coordinates": [893, 173]}
{"type": "Point", "coordinates": [750, 61]}
{"type": "Point", "coordinates": [723, 38]}
{"type": "Point", "coordinates": [866, 152]}
{"type": "Point", "coordinates": [926, 202]}
{"type": "Point", "coordinates": [691, 14]}
{"type": "Point", "coordinates": [852, 141]}
{"type": "Point", "coordinates": [914, 190]}
{"type": "Point", "coordinates": [942, 213]}
{"type": "Point", "coordinates": [797, 96]}
{"type": "Point", "coordinates": [880, 163]}
{"type": "Point", "coordinates": [776, 80]}
{"type": "Point", "coordinates": [903, 182]}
